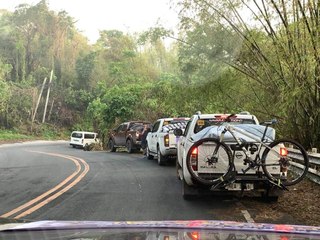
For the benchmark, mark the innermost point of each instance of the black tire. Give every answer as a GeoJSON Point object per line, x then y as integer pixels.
{"type": "Point", "coordinates": [86, 147]}
{"type": "Point", "coordinates": [149, 156]}
{"type": "Point", "coordinates": [129, 146]}
{"type": "Point", "coordinates": [111, 146]}
{"type": "Point", "coordinates": [289, 169]}
{"type": "Point", "coordinates": [177, 169]}
{"type": "Point", "coordinates": [73, 146]}
{"type": "Point", "coordinates": [137, 150]}
{"type": "Point", "coordinates": [162, 160]}
{"type": "Point", "coordinates": [223, 163]}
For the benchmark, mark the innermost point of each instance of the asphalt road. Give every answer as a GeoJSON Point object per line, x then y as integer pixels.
{"type": "Point", "coordinates": [62, 183]}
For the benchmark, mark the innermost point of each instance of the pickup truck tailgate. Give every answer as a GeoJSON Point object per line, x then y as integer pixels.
{"type": "Point", "coordinates": [172, 140]}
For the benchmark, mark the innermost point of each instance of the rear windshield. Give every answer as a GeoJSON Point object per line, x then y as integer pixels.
{"type": "Point", "coordinates": [203, 123]}
{"type": "Point", "coordinates": [89, 135]}
{"type": "Point", "coordinates": [76, 135]}
{"type": "Point", "coordinates": [137, 127]}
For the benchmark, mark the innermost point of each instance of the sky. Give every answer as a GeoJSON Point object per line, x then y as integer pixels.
{"type": "Point", "coordinates": [129, 16]}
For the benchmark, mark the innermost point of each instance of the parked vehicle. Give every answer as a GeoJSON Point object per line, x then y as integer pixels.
{"type": "Point", "coordinates": [127, 134]}
{"type": "Point", "coordinates": [201, 126]}
{"type": "Point", "coordinates": [161, 142]}
{"type": "Point", "coordinates": [81, 139]}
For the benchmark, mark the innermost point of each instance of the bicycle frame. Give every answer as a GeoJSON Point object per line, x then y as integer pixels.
{"type": "Point", "coordinates": [232, 130]}
{"type": "Point", "coordinates": [260, 152]}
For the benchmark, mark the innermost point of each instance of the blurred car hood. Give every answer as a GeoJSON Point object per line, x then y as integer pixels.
{"type": "Point", "coordinates": [194, 225]}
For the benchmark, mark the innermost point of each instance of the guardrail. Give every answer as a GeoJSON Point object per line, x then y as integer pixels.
{"type": "Point", "coordinates": [314, 165]}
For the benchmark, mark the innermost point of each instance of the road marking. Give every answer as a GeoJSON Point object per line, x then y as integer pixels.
{"type": "Point", "coordinates": [245, 213]}
{"type": "Point", "coordinates": [55, 189]}
{"type": "Point", "coordinates": [247, 216]}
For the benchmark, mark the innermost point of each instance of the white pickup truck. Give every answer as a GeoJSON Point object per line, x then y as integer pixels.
{"type": "Point", "coordinates": [161, 142]}
{"type": "Point", "coordinates": [249, 182]}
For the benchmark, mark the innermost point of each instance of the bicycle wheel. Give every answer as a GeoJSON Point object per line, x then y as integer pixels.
{"type": "Point", "coordinates": [209, 160]}
{"type": "Point", "coordinates": [285, 161]}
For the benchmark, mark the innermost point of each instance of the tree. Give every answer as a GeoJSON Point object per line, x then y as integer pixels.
{"type": "Point", "coordinates": [278, 54]}
{"type": "Point", "coordinates": [84, 68]}
{"type": "Point", "coordinates": [5, 93]}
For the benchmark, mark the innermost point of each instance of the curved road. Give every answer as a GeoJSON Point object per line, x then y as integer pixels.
{"type": "Point", "coordinates": [52, 181]}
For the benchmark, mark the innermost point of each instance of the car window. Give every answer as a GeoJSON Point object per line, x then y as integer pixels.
{"type": "Point", "coordinates": [156, 126]}
{"type": "Point", "coordinates": [123, 128]}
{"type": "Point", "coordinates": [119, 128]}
{"type": "Point", "coordinates": [76, 135]}
{"type": "Point", "coordinates": [137, 127]}
{"type": "Point", "coordinates": [89, 135]}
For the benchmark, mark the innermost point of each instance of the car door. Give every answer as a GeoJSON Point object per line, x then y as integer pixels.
{"type": "Point", "coordinates": [122, 134]}
{"type": "Point", "coordinates": [153, 137]}
{"type": "Point", "coordinates": [116, 135]}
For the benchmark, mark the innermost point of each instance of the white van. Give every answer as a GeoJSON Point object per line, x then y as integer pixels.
{"type": "Point", "coordinates": [81, 139]}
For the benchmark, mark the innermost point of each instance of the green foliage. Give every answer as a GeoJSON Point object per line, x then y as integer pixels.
{"type": "Point", "coordinates": [13, 135]}
{"type": "Point", "coordinates": [153, 35]}
{"type": "Point", "coordinates": [117, 104]}
{"type": "Point", "coordinates": [274, 59]}
{"type": "Point", "coordinates": [84, 68]}
{"type": "Point", "coordinates": [218, 64]}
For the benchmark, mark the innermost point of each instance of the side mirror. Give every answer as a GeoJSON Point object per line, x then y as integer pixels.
{"type": "Point", "coordinates": [178, 132]}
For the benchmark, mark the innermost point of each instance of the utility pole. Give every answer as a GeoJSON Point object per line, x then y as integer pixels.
{"type": "Point", "coordinates": [39, 98]}
{"type": "Point", "coordinates": [48, 93]}
{"type": "Point", "coordinates": [50, 111]}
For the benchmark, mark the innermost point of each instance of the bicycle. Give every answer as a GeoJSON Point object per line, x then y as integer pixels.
{"type": "Point", "coordinates": [211, 161]}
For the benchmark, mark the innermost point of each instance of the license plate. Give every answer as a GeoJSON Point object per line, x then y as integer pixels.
{"type": "Point", "coordinates": [237, 186]}
{"type": "Point", "coordinates": [234, 187]}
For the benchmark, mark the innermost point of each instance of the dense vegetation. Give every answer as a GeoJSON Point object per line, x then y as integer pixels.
{"type": "Point", "coordinates": [267, 64]}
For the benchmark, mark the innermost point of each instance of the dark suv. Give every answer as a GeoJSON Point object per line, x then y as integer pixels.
{"type": "Point", "coordinates": [127, 135]}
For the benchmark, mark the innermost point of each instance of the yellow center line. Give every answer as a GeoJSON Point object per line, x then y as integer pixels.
{"type": "Point", "coordinates": [65, 189]}
{"type": "Point", "coordinates": [60, 185]}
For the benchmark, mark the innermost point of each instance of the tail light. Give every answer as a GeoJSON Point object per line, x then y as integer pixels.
{"type": "Point", "coordinates": [194, 235]}
{"type": "Point", "coordinates": [166, 140]}
{"type": "Point", "coordinates": [283, 152]}
{"type": "Point", "coordinates": [194, 159]}
{"type": "Point", "coordinates": [138, 135]}
{"type": "Point", "coordinates": [284, 163]}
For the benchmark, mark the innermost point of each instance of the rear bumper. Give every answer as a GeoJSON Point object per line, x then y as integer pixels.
{"type": "Point", "coordinates": [245, 183]}
{"type": "Point", "coordinates": [169, 152]}
{"type": "Point", "coordinates": [76, 144]}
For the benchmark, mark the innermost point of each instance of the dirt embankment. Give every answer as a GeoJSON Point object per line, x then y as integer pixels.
{"type": "Point", "coordinates": [300, 205]}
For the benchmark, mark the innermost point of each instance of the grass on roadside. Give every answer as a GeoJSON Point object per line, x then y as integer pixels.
{"type": "Point", "coordinates": [12, 135]}
{"type": "Point", "coordinates": [39, 132]}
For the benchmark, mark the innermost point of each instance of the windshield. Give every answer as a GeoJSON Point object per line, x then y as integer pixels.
{"type": "Point", "coordinates": [102, 104]}
{"type": "Point", "coordinates": [76, 135]}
